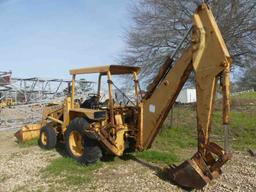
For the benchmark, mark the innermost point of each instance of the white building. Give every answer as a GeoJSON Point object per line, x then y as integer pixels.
{"type": "Point", "coordinates": [187, 96]}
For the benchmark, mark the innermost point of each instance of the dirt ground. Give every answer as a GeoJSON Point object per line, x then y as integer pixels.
{"type": "Point", "coordinates": [20, 170]}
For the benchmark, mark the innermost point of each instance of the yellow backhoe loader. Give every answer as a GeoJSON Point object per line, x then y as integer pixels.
{"type": "Point", "coordinates": [98, 127]}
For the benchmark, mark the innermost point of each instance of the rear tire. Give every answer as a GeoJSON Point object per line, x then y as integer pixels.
{"type": "Point", "coordinates": [79, 146]}
{"type": "Point", "coordinates": [47, 139]}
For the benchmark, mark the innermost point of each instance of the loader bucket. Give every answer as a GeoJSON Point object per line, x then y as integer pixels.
{"type": "Point", "coordinates": [28, 132]}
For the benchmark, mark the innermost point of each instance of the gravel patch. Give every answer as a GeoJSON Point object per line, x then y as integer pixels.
{"type": "Point", "coordinates": [131, 176]}
{"type": "Point", "coordinates": [239, 174]}
{"type": "Point", "coordinates": [21, 170]}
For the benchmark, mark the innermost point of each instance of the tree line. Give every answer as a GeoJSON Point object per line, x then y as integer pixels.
{"type": "Point", "coordinates": [159, 25]}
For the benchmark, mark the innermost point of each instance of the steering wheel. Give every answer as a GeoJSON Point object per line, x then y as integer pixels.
{"type": "Point", "coordinates": [93, 95]}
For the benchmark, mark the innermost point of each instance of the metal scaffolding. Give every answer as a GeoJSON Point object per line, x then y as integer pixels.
{"type": "Point", "coordinates": [35, 89]}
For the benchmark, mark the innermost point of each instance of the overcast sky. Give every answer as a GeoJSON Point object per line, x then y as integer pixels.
{"type": "Point", "coordinates": [46, 38]}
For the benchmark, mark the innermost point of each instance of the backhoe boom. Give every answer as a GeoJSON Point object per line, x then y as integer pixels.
{"type": "Point", "coordinates": [209, 58]}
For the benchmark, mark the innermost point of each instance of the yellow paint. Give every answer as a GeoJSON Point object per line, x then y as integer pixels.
{"type": "Point", "coordinates": [28, 132]}
{"type": "Point", "coordinates": [44, 138]}
{"type": "Point", "coordinates": [76, 143]}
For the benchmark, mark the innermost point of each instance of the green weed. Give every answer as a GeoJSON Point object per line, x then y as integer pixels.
{"type": "Point", "coordinates": [70, 171]}
{"type": "Point", "coordinates": [249, 95]}
{"type": "Point", "coordinates": [30, 143]}
{"type": "Point", "coordinates": [158, 156]}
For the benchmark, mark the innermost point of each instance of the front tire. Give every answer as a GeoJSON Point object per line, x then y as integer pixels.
{"type": "Point", "coordinates": [79, 146]}
{"type": "Point", "coordinates": [47, 139]}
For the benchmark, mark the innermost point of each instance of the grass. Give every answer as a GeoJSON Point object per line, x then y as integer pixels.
{"type": "Point", "coordinates": [70, 172]}
{"type": "Point", "coordinates": [168, 146]}
{"type": "Point", "coordinates": [242, 127]}
{"type": "Point", "coordinates": [249, 95]}
{"type": "Point", "coordinates": [30, 143]}
{"type": "Point", "coordinates": [174, 142]}
{"type": "Point", "coordinates": [243, 130]}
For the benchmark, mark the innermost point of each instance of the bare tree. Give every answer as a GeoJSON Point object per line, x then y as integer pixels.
{"type": "Point", "coordinates": [248, 80]}
{"type": "Point", "coordinates": [159, 25]}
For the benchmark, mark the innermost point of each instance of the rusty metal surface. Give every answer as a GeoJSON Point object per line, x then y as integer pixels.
{"type": "Point", "coordinates": [252, 153]}
{"type": "Point", "coordinates": [200, 169]}
{"type": "Point", "coordinates": [187, 176]}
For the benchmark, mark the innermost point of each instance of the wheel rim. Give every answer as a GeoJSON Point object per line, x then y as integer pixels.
{"type": "Point", "coordinates": [43, 138]}
{"type": "Point", "coordinates": [76, 143]}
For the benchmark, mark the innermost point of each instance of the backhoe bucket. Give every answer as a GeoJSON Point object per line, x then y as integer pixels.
{"type": "Point", "coordinates": [28, 132]}
{"type": "Point", "coordinates": [188, 176]}
{"type": "Point", "coordinates": [197, 172]}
